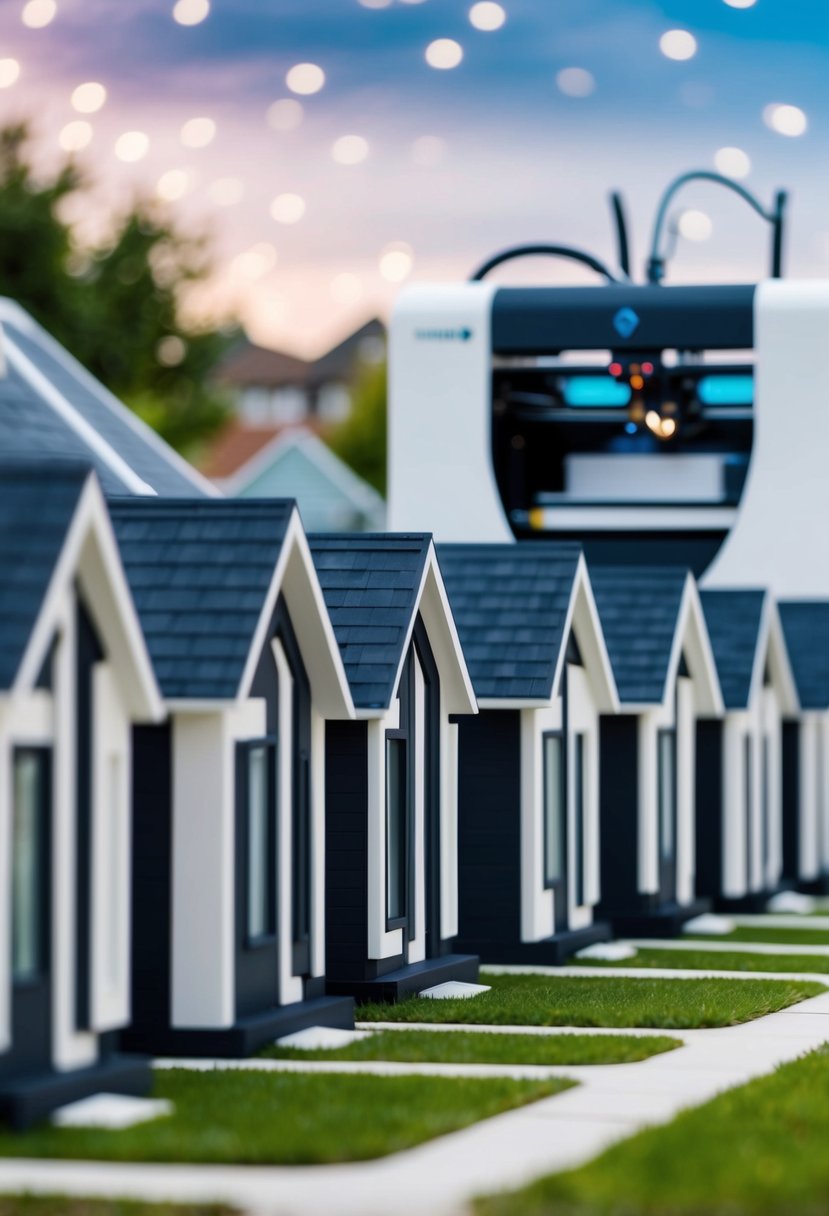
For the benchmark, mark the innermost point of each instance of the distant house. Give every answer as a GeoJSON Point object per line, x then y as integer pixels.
{"type": "Point", "coordinates": [295, 463]}
{"type": "Point", "coordinates": [52, 408]}
{"type": "Point", "coordinates": [272, 388]}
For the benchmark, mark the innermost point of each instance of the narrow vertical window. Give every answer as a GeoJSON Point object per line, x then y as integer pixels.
{"type": "Point", "coordinates": [260, 859]}
{"type": "Point", "coordinates": [748, 808]}
{"type": "Point", "coordinates": [114, 962]}
{"type": "Point", "coordinates": [554, 808]}
{"type": "Point", "coordinates": [397, 829]}
{"type": "Point", "coordinates": [301, 840]}
{"type": "Point", "coordinates": [29, 875]}
{"type": "Point", "coordinates": [666, 778]}
{"type": "Point", "coordinates": [578, 815]}
{"type": "Point", "coordinates": [765, 809]}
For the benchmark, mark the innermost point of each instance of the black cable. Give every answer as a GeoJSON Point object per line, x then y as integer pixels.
{"type": "Point", "coordinates": [559, 251]}
{"type": "Point", "coordinates": [617, 206]}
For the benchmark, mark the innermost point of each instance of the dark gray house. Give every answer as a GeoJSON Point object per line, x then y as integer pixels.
{"type": "Point", "coordinates": [739, 822]}
{"type": "Point", "coordinates": [806, 747]}
{"type": "Point", "coordinates": [665, 673]}
{"type": "Point", "coordinates": [392, 784]}
{"type": "Point", "coordinates": [528, 764]}
{"type": "Point", "coordinates": [228, 859]}
{"type": "Point", "coordinates": [74, 676]}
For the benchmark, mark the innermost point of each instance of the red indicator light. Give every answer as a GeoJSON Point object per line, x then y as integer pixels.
{"type": "Point", "coordinates": [615, 369]}
{"type": "Point", "coordinates": [647, 368]}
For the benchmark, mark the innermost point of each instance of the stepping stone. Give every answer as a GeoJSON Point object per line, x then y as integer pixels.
{"type": "Point", "coordinates": [111, 1111]}
{"type": "Point", "coordinates": [454, 988]}
{"type": "Point", "coordinates": [791, 901]}
{"type": "Point", "coordinates": [717, 926]}
{"type": "Point", "coordinates": [322, 1038]}
{"type": "Point", "coordinates": [608, 952]}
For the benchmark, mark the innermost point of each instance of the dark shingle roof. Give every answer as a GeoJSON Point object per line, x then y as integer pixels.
{"type": "Point", "coordinates": [639, 610]}
{"type": "Point", "coordinates": [806, 629]}
{"type": "Point", "coordinates": [37, 504]}
{"type": "Point", "coordinates": [733, 621]}
{"type": "Point", "coordinates": [370, 583]}
{"type": "Point", "coordinates": [139, 447]}
{"type": "Point", "coordinates": [510, 606]}
{"type": "Point", "coordinates": [199, 570]}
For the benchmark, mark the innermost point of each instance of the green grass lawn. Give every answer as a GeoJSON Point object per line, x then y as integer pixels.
{"type": "Point", "coordinates": [772, 937]}
{"type": "Point", "coordinates": [268, 1118]}
{"type": "Point", "coordinates": [478, 1047]}
{"type": "Point", "coordinates": [543, 1000]}
{"type": "Point", "coordinates": [759, 1150]}
{"type": "Point", "coordinates": [68, 1205]}
{"type": "Point", "coordinates": [717, 960]}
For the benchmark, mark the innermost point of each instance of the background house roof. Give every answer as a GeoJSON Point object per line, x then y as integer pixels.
{"type": "Point", "coordinates": [733, 619]}
{"type": "Point", "coordinates": [37, 505]}
{"type": "Point", "coordinates": [510, 606]}
{"type": "Point", "coordinates": [70, 411]}
{"type": "Point", "coordinates": [370, 583]}
{"type": "Point", "coordinates": [250, 365]}
{"type": "Point", "coordinates": [806, 629]}
{"type": "Point", "coordinates": [200, 571]}
{"type": "Point", "coordinates": [639, 611]}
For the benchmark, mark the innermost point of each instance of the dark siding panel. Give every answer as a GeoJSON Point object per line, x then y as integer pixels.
{"type": "Point", "coordinates": [151, 875]}
{"type": "Point", "coordinates": [791, 800]}
{"type": "Point", "coordinates": [346, 849]}
{"type": "Point", "coordinates": [489, 830]}
{"type": "Point", "coordinates": [89, 652]}
{"type": "Point", "coordinates": [619, 812]}
{"type": "Point", "coordinates": [709, 808]}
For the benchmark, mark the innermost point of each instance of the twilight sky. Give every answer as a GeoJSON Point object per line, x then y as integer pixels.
{"type": "Point", "coordinates": [314, 231]}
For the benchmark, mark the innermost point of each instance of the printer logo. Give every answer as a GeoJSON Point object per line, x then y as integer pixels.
{"type": "Point", "coordinates": [443, 335]}
{"type": "Point", "coordinates": [626, 322]}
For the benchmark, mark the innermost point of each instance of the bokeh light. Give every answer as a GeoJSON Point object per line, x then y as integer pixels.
{"type": "Point", "coordinates": [170, 350]}
{"type": "Point", "coordinates": [486, 15]}
{"type": "Point", "coordinates": [785, 119]}
{"type": "Point", "coordinates": [305, 78]}
{"type": "Point", "coordinates": [172, 185]}
{"type": "Point", "coordinates": [678, 44]}
{"type": "Point", "coordinates": [255, 262]}
{"type": "Point", "coordinates": [396, 262]}
{"type": "Point", "coordinates": [226, 191]}
{"type": "Point", "coordinates": [9, 72]}
{"type": "Point", "coordinates": [198, 132]}
{"type": "Point", "coordinates": [88, 98]}
{"type": "Point", "coordinates": [444, 53]}
{"type": "Point", "coordinates": [576, 82]}
{"type": "Point", "coordinates": [75, 135]}
{"type": "Point", "coordinates": [350, 150]}
{"type": "Point", "coordinates": [695, 225]}
{"type": "Point", "coordinates": [39, 13]}
{"type": "Point", "coordinates": [288, 208]}
{"type": "Point", "coordinates": [740, 3]}
{"type": "Point", "coordinates": [132, 146]}
{"type": "Point", "coordinates": [285, 114]}
{"type": "Point", "coordinates": [191, 12]}
{"type": "Point", "coordinates": [733, 162]}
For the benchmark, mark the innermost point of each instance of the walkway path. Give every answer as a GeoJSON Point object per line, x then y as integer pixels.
{"type": "Point", "coordinates": [439, 1178]}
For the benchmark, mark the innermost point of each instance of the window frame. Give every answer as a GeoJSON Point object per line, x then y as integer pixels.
{"type": "Point", "coordinates": [579, 817]}
{"type": "Point", "coordinates": [43, 865]}
{"type": "Point", "coordinates": [666, 735]}
{"type": "Point", "coordinates": [401, 920]}
{"type": "Point", "coordinates": [244, 750]}
{"type": "Point", "coordinates": [552, 883]}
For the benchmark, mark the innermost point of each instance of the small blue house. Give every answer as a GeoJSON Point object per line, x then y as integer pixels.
{"type": "Point", "coordinates": [391, 775]}
{"type": "Point", "coordinates": [665, 672]}
{"type": "Point", "coordinates": [740, 824]}
{"type": "Point", "coordinates": [74, 676]}
{"type": "Point", "coordinates": [528, 764]}
{"type": "Point", "coordinates": [229, 859]}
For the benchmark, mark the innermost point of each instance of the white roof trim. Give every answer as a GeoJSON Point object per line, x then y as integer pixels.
{"type": "Point", "coordinates": [597, 663]}
{"type": "Point", "coordinates": [690, 634]}
{"type": "Point", "coordinates": [91, 518]}
{"type": "Point", "coordinates": [353, 487]}
{"type": "Point", "coordinates": [772, 647]}
{"type": "Point", "coordinates": [11, 310]}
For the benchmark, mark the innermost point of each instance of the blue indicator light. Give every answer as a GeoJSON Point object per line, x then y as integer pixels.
{"type": "Point", "coordinates": [726, 390]}
{"type": "Point", "coordinates": [596, 390]}
{"type": "Point", "coordinates": [626, 322]}
{"type": "Point", "coordinates": [631, 428]}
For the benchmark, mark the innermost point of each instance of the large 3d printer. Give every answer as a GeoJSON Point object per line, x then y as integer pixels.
{"type": "Point", "coordinates": [652, 423]}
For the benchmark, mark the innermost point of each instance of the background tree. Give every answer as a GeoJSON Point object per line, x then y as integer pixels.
{"type": "Point", "coordinates": [116, 308]}
{"type": "Point", "coordinates": [360, 440]}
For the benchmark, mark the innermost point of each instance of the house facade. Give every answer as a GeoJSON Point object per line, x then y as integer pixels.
{"type": "Point", "coordinates": [665, 673]}
{"type": "Point", "coordinates": [391, 775]}
{"type": "Point", "coordinates": [229, 856]}
{"type": "Point", "coordinates": [74, 676]}
{"type": "Point", "coordinates": [529, 762]}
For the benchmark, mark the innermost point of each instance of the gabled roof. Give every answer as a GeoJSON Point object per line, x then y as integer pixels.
{"type": "Point", "coordinates": [511, 604]}
{"type": "Point", "coordinates": [200, 572]}
{"type": "Point", "coordinates": [806, 629]}
{"type": "Point", "coordinates": [37, 505]}
{"type": "Point", "coordinates": [49, 402]}
{"type": "Point", "coordinates": [371, 583]}
{"type": "Point", "coordinates": [639, 607]}
{"type": "Point", "coordinates": [249, 364]}
{"type": "Point", "coordinates": [342, 360]}
{"type": "Point", "coordinates": [734, 620]}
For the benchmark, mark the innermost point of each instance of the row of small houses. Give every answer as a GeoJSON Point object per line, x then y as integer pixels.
{"type": "Point", "coordinates": [249, 775]}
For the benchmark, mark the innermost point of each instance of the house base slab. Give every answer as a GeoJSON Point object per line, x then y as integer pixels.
{"type": "Point", "coordinates": [409, 981]}
{"type": "Point", "coordinates": [666, 920]}
{"type": "Point", "coordinates": [247, 1035]}
{"type": "Point", "coordinates": [29, 1100]}
{"type": "Point", "coordinates": [550, 950]}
